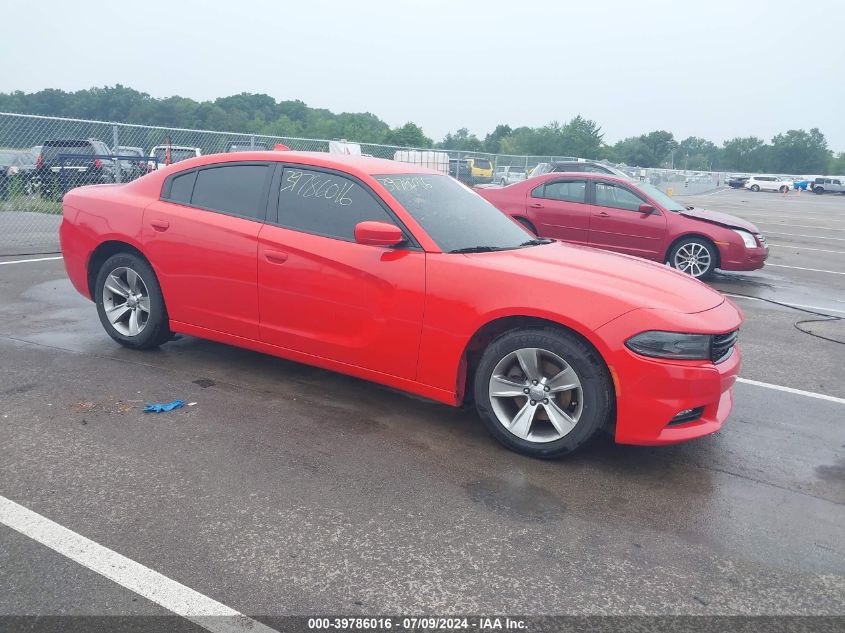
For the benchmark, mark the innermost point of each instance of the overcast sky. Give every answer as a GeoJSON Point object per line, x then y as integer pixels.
{"type": "Point", "coordinates": [707, 68]}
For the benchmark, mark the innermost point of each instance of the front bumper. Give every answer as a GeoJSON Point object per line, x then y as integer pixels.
{"type": "Point", "coordinates": [650, 392]}
{"type": "Point", "coordinates": [735, 257]}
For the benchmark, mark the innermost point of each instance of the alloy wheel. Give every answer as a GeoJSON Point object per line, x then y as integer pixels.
{"type": "Point", "coordinates": [536, 395]}
{"type": "Point", "coordinates": [126, 301]}
{"type": "Point", "coordinates": [693, 258]}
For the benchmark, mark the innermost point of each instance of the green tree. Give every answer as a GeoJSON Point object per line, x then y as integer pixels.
{"type": "Point", "coordinates": [697, 153]}
{"type": "Point", "coordinates": [799, 152]}
{"type": "Point", "coordinates": [837, 165]}
{"type": "Point", "coordinates": [493, 141]}
{"type": "Point", "coordinates": [746, 154]}
{"type": "Point", "coordinates": [582, 138]}
{"type": "Point", "coordinates": [409, 135]}
{"type": "Point", "coordinates": [461, 140]}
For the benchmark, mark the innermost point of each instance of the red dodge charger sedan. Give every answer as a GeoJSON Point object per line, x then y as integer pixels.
{"type": "Point", "coordinates": [401, 275]}
{"type": "Point", "coordinates": [634, 218]}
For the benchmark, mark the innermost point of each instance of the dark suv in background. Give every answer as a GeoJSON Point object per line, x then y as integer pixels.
{"type": "Point", "coordinates": [57, 175]}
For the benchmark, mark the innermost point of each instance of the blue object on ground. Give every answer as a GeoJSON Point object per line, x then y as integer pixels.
{"type": "Point", "coordinates": [158, 407]}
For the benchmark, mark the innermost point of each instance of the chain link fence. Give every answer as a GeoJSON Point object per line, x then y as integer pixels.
{"type": "Point", "coordinates": [41, 158]}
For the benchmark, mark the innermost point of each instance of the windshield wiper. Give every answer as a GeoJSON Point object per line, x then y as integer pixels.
{"type": "Point", "coordinates": [478, 249]}
{"type": "Point", "coordinates": [537, 242]}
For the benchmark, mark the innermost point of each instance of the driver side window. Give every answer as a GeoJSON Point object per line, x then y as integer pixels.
{"type": "Point", "coordinates": [617, 197]}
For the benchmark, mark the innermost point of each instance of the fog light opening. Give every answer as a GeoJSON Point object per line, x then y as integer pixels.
{"type": "Point", "coordinates": [687, 415]}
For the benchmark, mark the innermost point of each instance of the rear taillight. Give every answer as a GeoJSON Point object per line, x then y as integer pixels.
{"type": "Point", "coordinates": [98, 164]}
{"type": "Point", "coordinates": [40, 162]}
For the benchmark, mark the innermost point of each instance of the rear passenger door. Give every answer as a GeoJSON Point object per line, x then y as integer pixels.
{"type": "Point", "coordinates": [202, 240]}
{"type": "Point", "coordinates": [558, 208]}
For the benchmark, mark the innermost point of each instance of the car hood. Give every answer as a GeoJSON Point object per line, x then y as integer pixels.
{"type": "Point", "coordinates": [630, 280]}
{"type": "Point", "coordinates": [724, 219]}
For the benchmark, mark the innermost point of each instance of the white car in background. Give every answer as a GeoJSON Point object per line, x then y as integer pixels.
{"type": "Point", "coordinates": [509, 174]}
{"type": "Point", "coordinates": [169, 154]}
{"type": "Point", "coordinates": [768, 183]}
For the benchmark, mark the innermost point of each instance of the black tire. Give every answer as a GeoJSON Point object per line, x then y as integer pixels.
{"type": "Point", "coordinates": [707, 244]}
{"type": "Point", "coordinates": [755, 188]}
{"type": "Point", "coordinates": [819, 190]}
{"type": "Point", "coordinates": [596, 389]}
{"type": "Point", "coordinates": [156, 328]}
{"type": "Point", "coordinates": [783, 189]}
{"type": "Point", "coordinates": [528, 225]}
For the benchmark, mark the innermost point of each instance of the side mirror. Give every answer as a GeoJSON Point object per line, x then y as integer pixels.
{"type": "Point", "coordinates": [378, 234]}
{"type": "Point", "coordinates": [646, 208]}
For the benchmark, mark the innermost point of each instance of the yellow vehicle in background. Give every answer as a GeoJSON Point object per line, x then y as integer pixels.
{"type": "Point", "coordinates": [471, 171]}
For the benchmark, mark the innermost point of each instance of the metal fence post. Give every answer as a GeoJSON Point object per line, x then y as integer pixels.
{"type": "Point", "coordinates": [252, 142]}
{"type": "Point", "coordinates": [116, 152]}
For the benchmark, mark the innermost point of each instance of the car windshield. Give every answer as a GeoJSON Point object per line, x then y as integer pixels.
{"type": "Point", "coordinates": [670, 204]}
{"type": "Point", "coordinates": [454, 216]}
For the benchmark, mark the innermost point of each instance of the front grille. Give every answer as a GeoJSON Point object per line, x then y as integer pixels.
{"type": "Point", "coordinates": [722, 346]}
{"type": "Point", "coordinates": [761, 238]}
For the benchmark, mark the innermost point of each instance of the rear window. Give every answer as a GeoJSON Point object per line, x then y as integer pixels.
{"type": "Point", "coordinates": [51, 149]}
{"type": "Point", "coordinates": [482, 163]}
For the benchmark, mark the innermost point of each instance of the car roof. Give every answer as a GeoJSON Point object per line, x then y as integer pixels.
{"type": "Point", "coordinates": [591, 175]}
{"type": "Point", "coordinates": [345, 162]}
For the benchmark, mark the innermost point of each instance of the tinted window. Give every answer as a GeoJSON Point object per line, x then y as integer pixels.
{"type": "Point", "coordinates": [235, 189]}
{"type": "Point", "coordinates": [181, 188]}
{"type": "Point", "coordinates": [454, 216]}
{"type": "Point", "coordinates": [563, 190]}
{"type": "Point", "coordinates": [326, 204]}
{"type": "Point", "coordinates": [52, 149]}
{"type": "Point", "coordinates": [615, 197]}
{"type": "Point", "coordinates": [482, 163]}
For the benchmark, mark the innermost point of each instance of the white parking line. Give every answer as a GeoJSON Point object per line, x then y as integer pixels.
{"type": "Point", "coordinates": [800, 226]}
{"type": "Point", "coordinates": [799, 392]}
{"type": "Point", "coordinates": [807, 248]}
{"type": "Point", "coordinates": [27, 261]}
{"type": "Point", "coordinates": [153, 586]}
{"type": "Point", "coordinates": [791, 305]}
{"type": "Point", "coordinates": [815, 270]}
{"type": "Point", "coordinates": [815, 237]}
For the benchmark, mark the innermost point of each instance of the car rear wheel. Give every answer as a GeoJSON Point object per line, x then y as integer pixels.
{"type": "Point", "coordinates": [542, 392]}
{"type": "Point", "coordinates": [755, 188]}
{"type": "Point", "coordinates": [130, 304]}
{"type": "Point", "coordinates": [694, 256]}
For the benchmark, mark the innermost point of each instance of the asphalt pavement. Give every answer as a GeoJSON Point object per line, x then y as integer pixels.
{"type": "Point", "coordinates": [289, 490]}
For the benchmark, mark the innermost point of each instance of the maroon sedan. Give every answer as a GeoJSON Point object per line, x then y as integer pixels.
{"type": "Point", "coordinates": [634, 218]}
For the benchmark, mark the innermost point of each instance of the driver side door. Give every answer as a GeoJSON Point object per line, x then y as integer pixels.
{"type": "Point", "coordinates": [617, 224]}
{"type": "Point", "coordinates": [322, 293]}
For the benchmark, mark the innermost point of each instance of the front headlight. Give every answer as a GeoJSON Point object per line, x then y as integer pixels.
{"type": "Point", "coordinates": [673, 345]}
{"type": "Point", "coordinates": [747, 238]}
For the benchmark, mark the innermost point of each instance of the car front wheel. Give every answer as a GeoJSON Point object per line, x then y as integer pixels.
{"type": "Point", "coordinates": [130, 303]}
{"type": "Point", "coordinates": [694, 256]}
{"type": "Point", "coordinates": [755, 188]}
{"type": "Point", "coordinates": [542, 392]}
